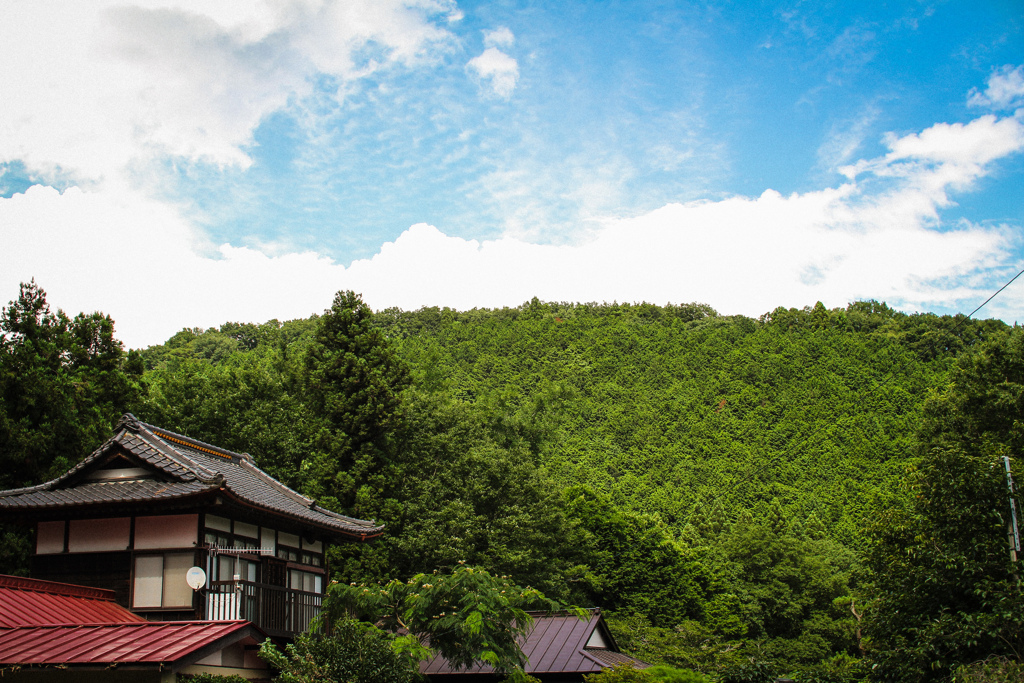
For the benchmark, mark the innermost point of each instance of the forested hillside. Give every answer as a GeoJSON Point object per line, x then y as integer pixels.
{"type": "Point", "coordinates": [678, 411]}
{"type": "Point", "coordinates": [714, 482]}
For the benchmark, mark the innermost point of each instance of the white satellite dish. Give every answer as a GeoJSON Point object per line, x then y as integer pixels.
{"type": "Point", "coordinates": [196, 578]}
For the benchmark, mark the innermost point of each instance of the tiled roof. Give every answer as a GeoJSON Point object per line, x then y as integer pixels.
{"type": "Point", "coordinates": [186, 467]}
{"type": "Point", "coordinates": [557, 643]}
{"type": "Point", "coordinates": [31, 602]}
{"type": "Point", "coordinates": [101, 492]}
{"type": "Point", "coordinates": [146, 642]}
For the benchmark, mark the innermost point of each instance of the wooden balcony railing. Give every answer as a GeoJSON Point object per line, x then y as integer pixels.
{"type": "Point", "coordinates": [280, 612]}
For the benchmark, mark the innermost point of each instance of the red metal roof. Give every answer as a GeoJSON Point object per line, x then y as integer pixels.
{"type": "Point", "coordinates": [148, 642]}
{"type": "Point", "coordinates": [557, 643]}
{"type": "Point", "coordinates": [32, 602]}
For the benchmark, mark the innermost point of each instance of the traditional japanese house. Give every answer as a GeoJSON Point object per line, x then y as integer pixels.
{"type": "Point", "coordinates": [149, 505]}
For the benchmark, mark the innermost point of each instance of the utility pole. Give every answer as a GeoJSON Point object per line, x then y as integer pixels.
{"type": "Point", "coordinates": [1012, 533]}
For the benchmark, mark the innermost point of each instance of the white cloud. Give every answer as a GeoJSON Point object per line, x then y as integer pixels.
{"type": "Point", "coordinates": [499, 37]}
{"type": "Point", "coordinates": [498, 68]}
{"type": "Point", "coordinates": [876, 236]}
{"type": "Point", "coordinates": [1005, 89]}
{"type": "Point", "coordinates": [945, 156]}
{"type": "Point", "coordinates": [86, 248]}
{"type": "Point", "coordinates": [92, 87]}
{"type": "Point", "coordinates": [845, 138]}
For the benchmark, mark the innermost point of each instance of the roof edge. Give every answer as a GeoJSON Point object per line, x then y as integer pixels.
{"type": "Point", "coordinates": [371, 532]}
{"type": "Point", "coordinates": [55, 588]}
{"type": "Point", "coordinates": [184, 440]}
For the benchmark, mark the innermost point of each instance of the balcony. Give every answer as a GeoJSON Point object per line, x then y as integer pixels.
{"type": "Point", "coordinates": [280, 612]}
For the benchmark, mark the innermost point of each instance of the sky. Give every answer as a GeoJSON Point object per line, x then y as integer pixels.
{"type": "Point", "coordinates": [184, 164]}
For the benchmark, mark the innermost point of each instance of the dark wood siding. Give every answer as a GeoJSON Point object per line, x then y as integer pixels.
{"type": "Point", "coordinates": [100, 570]}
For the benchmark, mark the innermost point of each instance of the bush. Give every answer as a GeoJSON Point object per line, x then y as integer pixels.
{"type": "Point", "coordinates": [212, 678]}
{"type": "Point", "coordinates": [668, 674]}
{"type": "Point", "coordinates": [623, 673]}
{"type": "Point", "coordinates": [991, 670]}
{"type": "Point", "coordinates": [353, 653]}
{"type": "Point", "coordinates": [754, 672]}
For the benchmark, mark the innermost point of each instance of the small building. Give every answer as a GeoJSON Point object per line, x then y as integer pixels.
{"type": "Point", "coordinates": [150, 504]}
{"type": "Point", "coordinates": [559, 648]}
{"type": "Point", "coordinates": [56, 632]}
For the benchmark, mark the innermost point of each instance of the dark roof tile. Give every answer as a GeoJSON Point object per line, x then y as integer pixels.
{"type": "Point", "coordinates": [188, 467]}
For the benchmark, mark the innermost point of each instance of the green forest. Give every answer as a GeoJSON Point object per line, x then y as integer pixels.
{"type": "Point", "coordinates": [816, 493]}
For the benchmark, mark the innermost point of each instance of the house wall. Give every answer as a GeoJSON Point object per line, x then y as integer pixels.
{"type": "Point", "coordinates": [111, 570]}
{"type": "Point", "coordinates": [144, 558]}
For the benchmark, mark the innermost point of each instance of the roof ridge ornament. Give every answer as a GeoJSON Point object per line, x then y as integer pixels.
{"type": "Point", "coordinates": [129, 422]}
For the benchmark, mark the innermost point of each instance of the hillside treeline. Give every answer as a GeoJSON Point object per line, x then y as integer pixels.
{"type": "Point", "coordinates": [740, 495]}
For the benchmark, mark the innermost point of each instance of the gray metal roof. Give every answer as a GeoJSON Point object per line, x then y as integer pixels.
{"type": "Point", "coordinates": [186, 467]}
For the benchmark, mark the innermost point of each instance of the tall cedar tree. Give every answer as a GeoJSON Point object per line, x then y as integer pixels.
{"type": "Point", "coordinates": [354, 381]}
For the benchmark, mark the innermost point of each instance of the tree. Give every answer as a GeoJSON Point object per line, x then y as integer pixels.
{"type": "Point", "coordinates": [354, 381]}
{"type": "Point", "coordinates": [638, 568]}
{"type": "Point", "coordinates": [454, 494]}
{"type": "Point", "coordinates": [468, 616]}
{"type": "Point", "coordinates": [946, 592]}
{"type": "Point", "coordinates": [63, 385]}
{"type": "Point", "coordinates": [791, 589]}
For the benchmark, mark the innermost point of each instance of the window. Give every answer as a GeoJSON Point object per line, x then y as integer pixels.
{"type": "Point", "coordinates": [227, 567]}
{"type": "Point", "coordinates": [288, 548]}
{"type": "Point", "coordinates": [223, 533]}
{"type": "Point", "coordinates": [305, 581]}
{"type": "Point", "coordinates": [159, 581]}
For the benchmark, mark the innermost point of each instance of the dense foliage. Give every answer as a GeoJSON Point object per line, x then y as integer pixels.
{"type": "Point", "coordinates": [948, 593]}
{"type": "Point", "coordinates": [733, 492]}
{"type": "Point", "coordinates": [63, 384]}
{"type": "Point", "coordinates": [349, 652]}
{"type": "Point", "coordinates": [466, 616]}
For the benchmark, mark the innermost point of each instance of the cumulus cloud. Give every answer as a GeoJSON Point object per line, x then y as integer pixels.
{"type": "Point", "coordinates": [875, 236]}
{"type": "Point", "coordinates": [91, 88]}
{"type": "Point", "coordinates": [499, 70]}
{"type": "Point", "coordinates": [86, 248]}
{"type": "Point", "coordinates": [1005, 90]}
{"type": "Point", "coordinates": [499, 37]}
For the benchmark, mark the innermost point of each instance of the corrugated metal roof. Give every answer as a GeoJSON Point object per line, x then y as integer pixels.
{"type": "Point", "coordinates": [148, 642]}
{"type": "Point", "coordinates": [557, 643]}
{"type": "Point", "coordinates": [180, 467]}
{"type": "Point", "coordinates": [32, 602]}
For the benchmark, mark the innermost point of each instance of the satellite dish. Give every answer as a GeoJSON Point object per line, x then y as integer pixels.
{"type": "Point", "coordinates": [196, 578]}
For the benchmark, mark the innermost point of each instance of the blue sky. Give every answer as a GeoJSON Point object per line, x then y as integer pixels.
{"type": "Point", "coordinates": [244, 162]}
